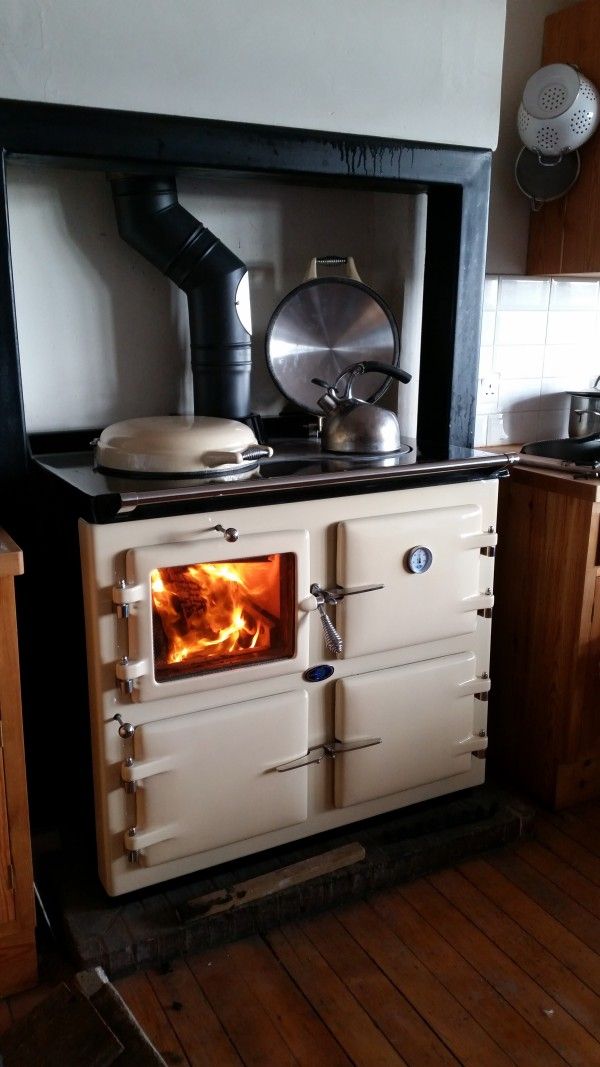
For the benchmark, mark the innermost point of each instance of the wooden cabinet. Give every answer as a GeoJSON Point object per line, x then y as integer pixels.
{"type": "Point", "coordinates": [564, 235]}
{"type": "Point", "coordinates": [544, 721]}
{"type": "Point", "coordinates": [18, 958]}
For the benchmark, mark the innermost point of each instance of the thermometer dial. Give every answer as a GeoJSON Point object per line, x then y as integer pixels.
{"type": "Point", "coordinates": [419, 559]}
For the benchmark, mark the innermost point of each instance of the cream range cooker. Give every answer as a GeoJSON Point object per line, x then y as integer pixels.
{"type": "Point", "coordinates": [272, 659]}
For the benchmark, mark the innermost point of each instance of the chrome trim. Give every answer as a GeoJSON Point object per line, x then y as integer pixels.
{"type": "Point", "coordinates": [562, 466]}
{"type": "Point", "coordinates": [284, 484]}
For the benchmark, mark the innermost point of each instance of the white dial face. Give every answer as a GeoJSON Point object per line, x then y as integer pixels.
{"type": "Point", "coordinates": [419, 559]}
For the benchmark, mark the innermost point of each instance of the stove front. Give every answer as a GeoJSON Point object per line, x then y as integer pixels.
{"type": "Point", "coordinates": [263, 673]}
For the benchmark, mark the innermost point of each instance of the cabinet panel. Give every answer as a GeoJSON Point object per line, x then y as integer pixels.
{"type": "Point", "coordinates": [209, 778]}
{"type": "Point", "coordinates": [544, 719]}
{"type": "Point", "coordinates": [440, 602]}
{"type": "Point", "coordinates": [424, 714]}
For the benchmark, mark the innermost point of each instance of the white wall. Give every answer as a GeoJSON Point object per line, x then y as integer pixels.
{"type": "Point", "coordinates": [102, 335]}
{"type": "Point", "coordinates": [424, 70]}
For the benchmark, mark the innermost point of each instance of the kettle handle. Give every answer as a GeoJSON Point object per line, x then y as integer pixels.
{"type": "Point", "coordinates": [385, 368]}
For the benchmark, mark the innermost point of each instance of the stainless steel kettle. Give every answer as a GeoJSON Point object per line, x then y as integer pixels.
{"type": "Point", "coordinates": [353, 425]}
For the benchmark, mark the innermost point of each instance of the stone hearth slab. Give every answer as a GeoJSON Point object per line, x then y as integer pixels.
{"type": "Point", "coordinates": [154, 926]}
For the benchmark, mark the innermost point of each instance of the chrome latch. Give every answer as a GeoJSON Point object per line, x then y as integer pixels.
{"type": "Point", "coordinates": [328, 751]}
{"type": "Point", "coordinates": [126, 733]}
{"type": "Point", "coordinates": [319, 598]}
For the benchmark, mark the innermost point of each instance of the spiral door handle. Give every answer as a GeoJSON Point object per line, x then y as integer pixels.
{"type": "Point", "coordinates": [333, 639]}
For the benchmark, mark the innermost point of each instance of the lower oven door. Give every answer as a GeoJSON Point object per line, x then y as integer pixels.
{"type": "Point", "coordinates": [424, 713]}
{"type": "Point", "coordinates": [208, 778]}
{"type": "Point", "coordinates": [429, 564]}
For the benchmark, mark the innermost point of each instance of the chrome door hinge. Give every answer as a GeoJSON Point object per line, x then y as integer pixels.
{"type": "Point", "coordinates": [490, 542]}
{"type": "Point", "coordinates": [124, 594]}
{"type": "Point", "coordinates": [487, 611]}
{"type": "Point", "coordinates": [133, 853]}
{"type": "Point", "coordinates": [484, 687]}
{"type": "Point", "coordinates": [481, 753]}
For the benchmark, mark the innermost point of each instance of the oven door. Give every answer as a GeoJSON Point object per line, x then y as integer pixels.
{"type": "Point", "coordinates": [428, 718]}
{"type": "Point", "coordinates": [205, 614]}
{"type": "Point", "coordinates": [429, 565]}
{"type": "Point", "coordinates": [209, 778]}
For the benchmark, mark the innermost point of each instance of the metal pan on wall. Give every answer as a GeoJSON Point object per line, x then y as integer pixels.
{"type": "Point", "coordinates": [543, 179]}
{"type": "Point", "coordinates": [325, 325]}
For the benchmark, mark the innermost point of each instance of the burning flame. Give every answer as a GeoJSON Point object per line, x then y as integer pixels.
{"type": "Point", "coordinates": [217, 609]}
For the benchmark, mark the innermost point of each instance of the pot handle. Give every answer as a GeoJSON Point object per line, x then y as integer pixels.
{"type": "Point", "coordinates": [332, 261]}
{"type": "Point", "coordinates": [385, 368]}
{"type": "Point", "coordinates": [220, 458]}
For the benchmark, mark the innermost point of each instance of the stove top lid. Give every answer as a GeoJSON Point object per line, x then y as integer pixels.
{"type": "Point", "coordinates": [175, 445]}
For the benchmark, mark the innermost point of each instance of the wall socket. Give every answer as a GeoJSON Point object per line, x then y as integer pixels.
{"type": "Point", "coordinates": [488, 389]}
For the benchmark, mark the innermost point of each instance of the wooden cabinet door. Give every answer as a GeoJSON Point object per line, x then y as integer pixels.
{"type": "Point", "coordinates": [18, 956]}
{"type": "Point", "coordinates": [564, 235]}
{"type": "Point", "coordinates": [7, 896]}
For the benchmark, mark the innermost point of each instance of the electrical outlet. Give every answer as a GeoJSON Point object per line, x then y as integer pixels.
{"type": "Point", "coordinates": [487, 394]}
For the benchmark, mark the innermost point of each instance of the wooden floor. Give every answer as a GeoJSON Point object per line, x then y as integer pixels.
{"type": "Point", "coordinates": [496, 961]}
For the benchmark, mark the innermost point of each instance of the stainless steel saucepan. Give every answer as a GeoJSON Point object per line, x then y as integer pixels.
{"type": "Point", "coordinates": [326, 325]}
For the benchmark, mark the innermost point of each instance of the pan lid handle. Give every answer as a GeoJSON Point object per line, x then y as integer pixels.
{"type": "Point", "coordinates": [332, 261]}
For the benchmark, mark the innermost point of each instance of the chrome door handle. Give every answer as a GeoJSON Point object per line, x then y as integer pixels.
{"type": "Point", "coordinates": [333, 638]}
{"type": "Point", "coordinates": [327, 751]}
{"type": "Point", "coordinates": [337, 593]}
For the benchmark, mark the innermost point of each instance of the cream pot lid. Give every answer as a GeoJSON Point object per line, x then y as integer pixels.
{"type": "Point", "coordinates": [178, 444]}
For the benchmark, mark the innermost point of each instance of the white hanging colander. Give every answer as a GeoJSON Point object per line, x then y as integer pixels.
{"type": "Point", "coordinates": [559, 111]}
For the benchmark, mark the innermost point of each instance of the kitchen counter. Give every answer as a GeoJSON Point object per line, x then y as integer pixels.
{"type": "Point", "coordinates": [528, 472]}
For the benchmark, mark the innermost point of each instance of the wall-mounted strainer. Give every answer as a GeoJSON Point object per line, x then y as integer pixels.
{"type": "Point", "coordinates": [559, 111]}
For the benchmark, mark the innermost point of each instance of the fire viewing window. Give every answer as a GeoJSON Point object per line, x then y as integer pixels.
{"type": "Point", "coordinates": [218, 615]}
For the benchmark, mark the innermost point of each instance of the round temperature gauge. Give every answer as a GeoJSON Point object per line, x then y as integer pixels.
{"type": "Point", "coordinates": [419, 559]}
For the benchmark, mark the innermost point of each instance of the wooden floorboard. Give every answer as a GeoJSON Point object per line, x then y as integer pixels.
{"type": "Point", "coordinates": [493, 962]}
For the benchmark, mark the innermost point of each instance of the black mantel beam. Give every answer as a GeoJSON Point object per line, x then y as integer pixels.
{"type": "Point", "coordinates": [103, 138]}
{"type": "Point", "coordinates": [455, 178]}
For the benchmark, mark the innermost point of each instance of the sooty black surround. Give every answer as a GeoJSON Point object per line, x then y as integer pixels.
{"type": "Point", "coordinates": [456, 180]}
{"type": "Point", "coordinates": [41, 516]}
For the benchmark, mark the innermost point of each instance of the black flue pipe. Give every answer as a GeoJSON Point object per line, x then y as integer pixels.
{"type": "Point", "coordinates": [151, 219]}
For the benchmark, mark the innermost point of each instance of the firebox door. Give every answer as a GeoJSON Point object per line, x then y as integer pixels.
{"type": "Point", "coordinates": [205, 613]}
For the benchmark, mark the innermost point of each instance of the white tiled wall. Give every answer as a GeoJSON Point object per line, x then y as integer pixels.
{"type": "Point", "coordinates": [539, 339]}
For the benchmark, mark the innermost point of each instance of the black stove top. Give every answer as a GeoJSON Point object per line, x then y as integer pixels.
{"type": "Point", "coordinates": [299, 468]}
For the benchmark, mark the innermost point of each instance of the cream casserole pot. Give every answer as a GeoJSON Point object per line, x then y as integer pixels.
{"type": "Point", "coordinates": [197, 446]}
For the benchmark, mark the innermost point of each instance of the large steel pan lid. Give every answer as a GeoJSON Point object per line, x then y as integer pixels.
{"type": "Point", "coordinates": [179, 445]}
{"type": "Point", "coordinates": [322, 327]}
